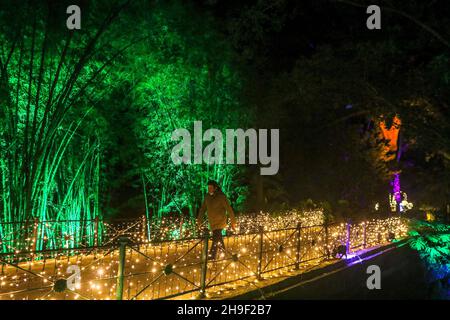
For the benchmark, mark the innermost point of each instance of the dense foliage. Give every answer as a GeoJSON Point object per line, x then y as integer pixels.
{"type": "Point", "coordinates": [432, 241]}
{"type": "Point", "coordinates": [86, 112]}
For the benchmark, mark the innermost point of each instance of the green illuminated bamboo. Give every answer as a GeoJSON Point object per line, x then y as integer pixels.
{"type": "Point", "coordinates": [50, 151]}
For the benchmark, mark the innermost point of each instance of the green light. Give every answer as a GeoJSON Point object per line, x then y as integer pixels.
{"type": "Point", "coordinates": [54, 93]}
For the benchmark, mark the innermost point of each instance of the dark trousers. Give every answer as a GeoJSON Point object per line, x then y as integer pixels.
{"type": "Point", "coordinates": [217, 240]}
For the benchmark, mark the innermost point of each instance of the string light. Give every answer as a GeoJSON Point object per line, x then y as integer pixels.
{"type": "Point", "coordinates": [161, 268]}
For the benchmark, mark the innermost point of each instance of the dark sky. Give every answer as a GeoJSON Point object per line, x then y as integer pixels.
{"type": "Point", "coordinates": [308, 24]}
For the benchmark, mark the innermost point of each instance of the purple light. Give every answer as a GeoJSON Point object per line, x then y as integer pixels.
{"type": "Point", "coordinates": [396, 187]}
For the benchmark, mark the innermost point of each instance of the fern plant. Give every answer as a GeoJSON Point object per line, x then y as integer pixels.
{"type": "Point", "coordinates": [432, 241]}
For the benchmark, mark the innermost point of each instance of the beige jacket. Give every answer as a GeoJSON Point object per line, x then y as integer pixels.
{"type": "Point", "coordinates": [216, 205]}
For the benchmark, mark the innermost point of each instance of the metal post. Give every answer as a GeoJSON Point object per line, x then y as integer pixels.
{"type": "Point", "coordinates": [27, 245]}
{"type": "Point", "coordinates": [181, 227]}
{"type": "Point", "coordinates": [96, 231]}
{"type": "Point", "coordinates": [35, 234]}
{"type": "Point", "coordinates": [1, 243]}
{"type": "Point", "coordinates": [121, 270]}
{"type": "Point", "coordinates": [327, 249]}
{"type": "Point", "coordinates": [364, 235]}
{"type": "Point", "coordinates": [144, 229]}
{"type": "Point", "coordinates": [204, 264]}
{"type": "Point", "coordinates": [448, 213]}
{"type": "Point", "coordinates": [297, 258]}
{"type": "Point", "coordinates": [260, 253]}
{"type": "Point", "coordinates": [347, 244]}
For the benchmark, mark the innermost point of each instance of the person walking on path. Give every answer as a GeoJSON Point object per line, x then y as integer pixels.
{"type": "Point", "coordinates": [216, 205]}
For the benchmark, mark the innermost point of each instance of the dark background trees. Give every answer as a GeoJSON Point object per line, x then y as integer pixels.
{"type": "Point", "coordinates": [318, 73]}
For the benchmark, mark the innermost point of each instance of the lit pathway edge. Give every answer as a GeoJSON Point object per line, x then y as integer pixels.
{"type": "Point", "coordinates": [319, 272]}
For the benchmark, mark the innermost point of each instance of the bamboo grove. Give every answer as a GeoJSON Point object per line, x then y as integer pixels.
{"type": "Point", "coordinates": [57, 88]}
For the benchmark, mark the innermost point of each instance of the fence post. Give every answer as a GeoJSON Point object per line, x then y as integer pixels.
{"type": "Point", "coordinates": [181, 227]}
{"type": "Point", "coordinates": [364, 234]}
{"type": "Point", "coordinates": [447, 216]}
{"type": "Point", "coordinates": [260, 253]}
{"type": "Point", "coordinates": [95, 231]}
{"type": "Point", "coordinates": [121, 270]}
{"type": "Point", "coordinates": [327, 248]}
{"type": "Point", "coordinates": [26, 244]}
{"type": "Point", "coordinates": [204, 264]}
{"type": "Point", "coordinates": [35, 234]}
{"type": "Point", "coordinates": [297, 258]}
{"type": "Point", "coordinates": [1, 242]}
{"type": "Point", "coordinates": [144, 229]}
{"type": "Point", "coordinates": [347, 243]}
